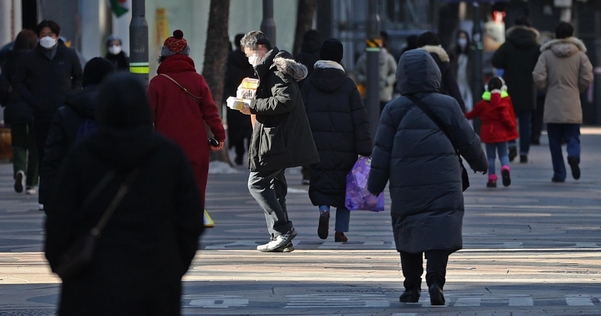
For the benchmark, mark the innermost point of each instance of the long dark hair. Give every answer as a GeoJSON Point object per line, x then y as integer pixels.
{"type": "Point", "coordinates": [458, 49]}
{"type": "Point", "coordinates": [25, 40]}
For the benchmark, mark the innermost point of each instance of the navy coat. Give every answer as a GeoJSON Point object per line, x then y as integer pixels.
{"type": "Point", "coordinates": [340, 129]}
{"type": "Point", "coordinates": [420, 161]}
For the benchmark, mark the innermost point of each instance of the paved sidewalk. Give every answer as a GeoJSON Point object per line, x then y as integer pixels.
{"type": "Point", "coordinates": [530, 249]}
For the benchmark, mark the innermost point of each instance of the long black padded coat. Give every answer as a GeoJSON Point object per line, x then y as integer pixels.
{"type": "Point", "coordinates": [419, 160]}
{"type": "Point", "coordinates": [340, 129]}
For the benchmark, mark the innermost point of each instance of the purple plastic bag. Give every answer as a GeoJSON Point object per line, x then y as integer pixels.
{"type": "Point", "coordinates": [357, 196]}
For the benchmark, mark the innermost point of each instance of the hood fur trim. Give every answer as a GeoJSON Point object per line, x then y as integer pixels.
{"type": "Point", "coordinates": [297, 70]}
{"type": "Point", "coordinates": [569, 40]}
{"type": "Point", "coordinates": [515, 27]}
{"type": "Point", "coordinates": [328, 64]}
{"type": "Point", "coordinates": [438, 50]}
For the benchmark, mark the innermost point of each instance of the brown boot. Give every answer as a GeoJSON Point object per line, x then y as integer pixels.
{"type": "Point", "coordinates": [339, 237]}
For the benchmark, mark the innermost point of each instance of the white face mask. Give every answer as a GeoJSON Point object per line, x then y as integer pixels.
{"type": "Point", "coordinates": [462, 42]}
{"type": "Point", "coordinates": [254, 59]}
{"type": "Point", "coordinates": [47, 42]}
{"type": "Point", "coordinates": [115, 49]}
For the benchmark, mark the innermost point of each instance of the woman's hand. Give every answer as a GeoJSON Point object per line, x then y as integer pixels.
{"type": "Point", "coordinates": [218, 147]}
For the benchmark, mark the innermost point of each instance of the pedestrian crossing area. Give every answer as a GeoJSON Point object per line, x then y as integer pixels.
{"type": "Point", "coordinates": [375, 300]}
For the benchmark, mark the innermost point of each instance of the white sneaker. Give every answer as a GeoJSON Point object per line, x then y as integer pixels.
{"type": "Point", "coordinates": [30, 190]}
{"type": "Point", "coordinates": [278, 242]}
{"type": "Point", "coordinates": [19, 181]}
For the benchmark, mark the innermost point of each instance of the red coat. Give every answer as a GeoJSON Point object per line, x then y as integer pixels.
{"type": "Point", "coordinates": [497, 116]}
{"type": "Point", "coordinates": [180, 118]}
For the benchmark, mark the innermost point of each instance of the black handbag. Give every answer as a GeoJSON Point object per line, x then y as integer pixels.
{"type": "Point", "coordinates": [79, 256]}
{"type": "Point", "coordinates": [465, 180]}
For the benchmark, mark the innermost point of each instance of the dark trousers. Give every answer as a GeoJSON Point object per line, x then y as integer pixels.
{"type": "Point", "coordinates": [537, 120]}
{"type": "Point", "coordinates": [525, 128]}
{"type": "Point", "coordinates": [41, 127]}
{"type": "Point", "coordinates": [436, 268]}
{"type": "Point", "coordinates": [269, 188]}
{"type": "Point", "coordinates": [558, 133]}
{"type": "Point", "coordinates": [25, 153]}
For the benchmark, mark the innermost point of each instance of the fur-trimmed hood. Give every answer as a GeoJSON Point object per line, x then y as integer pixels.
{"type": "Point", "coordinates": [328, 75]}
{"type": "Point", "coordinates": [328, 64]}
{"type": "Point", "coordinates": [522, 37]}
{"type": "Point", "coordinates": [438, 50]}
{"type": "Point", "coordinates": [283, 62]}
{"type": "Point", "coordinates": [564, 47]}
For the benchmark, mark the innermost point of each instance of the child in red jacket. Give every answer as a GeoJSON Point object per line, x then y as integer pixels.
{"type": "Point", "coordinates": [498, 127]}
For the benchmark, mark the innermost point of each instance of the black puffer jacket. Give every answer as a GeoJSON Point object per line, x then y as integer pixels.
{"type": "Point", "coordinates": [81, 105]}
{"type": "Point", "coordinates": [518, 57]}
{"type": "Point", "coordinates": [119, 61]}
{"type": "Point", "coordinates": [43, 82]}
{"type": "Point", "coordinates": [340, 130]}
{"type": "Point", "coordinates": [16, 110]}
{"type": "Point", "coordinates": [281, 136]}
{"type": "Point", "coordinates": [420, 161]}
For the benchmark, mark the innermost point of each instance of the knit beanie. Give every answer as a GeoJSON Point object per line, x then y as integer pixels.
{"type": "Point", "coordinates": [331, 49]}
{"type": "Point", "coordinates": [95, 70]}
{"type": "Point", "coordinates": [175, 44]}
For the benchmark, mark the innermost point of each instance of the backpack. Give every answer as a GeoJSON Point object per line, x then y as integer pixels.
{"type": "Point", "coordinates": [86, 128]}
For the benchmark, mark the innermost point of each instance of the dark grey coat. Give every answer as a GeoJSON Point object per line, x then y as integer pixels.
{"type": "Point", "coordinates": [281, 136]}
{"type": "Point", "coordinates": [340, 130]}
{"type": "Point", "coordinates": [420, 162]}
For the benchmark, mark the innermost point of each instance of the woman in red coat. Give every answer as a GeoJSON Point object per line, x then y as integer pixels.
{"type": "Point", "coordinates": [181, 115]}
{"type": "Point", "coordinates": [498, 127]}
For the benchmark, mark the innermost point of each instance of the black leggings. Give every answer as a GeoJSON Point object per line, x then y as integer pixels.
{"type": "Point", "coordinates": [436, 268]}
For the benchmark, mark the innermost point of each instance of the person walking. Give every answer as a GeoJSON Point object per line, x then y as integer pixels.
{"type": "Point", "coordinates": [462, 67]}
{"type": "Point", "coordinates": [238, 124]}
{"type": "Point", "coordinates": [72, 122]}
{"type": "Point", "coordinates": [517, 57]}
{"type": "Point", "coordinates": [281, 135]}
{"type": "Point", "coordinates": [387, 66]}
{"type": "Point", "coordinates": [430, 42]}
{"type": "Point", "coordinates": [421, 163]}
{"type": "Point", "coordinates": [564, 71]}
{"type": "Point", "coordinates": [151, 238]}
{"type": "Point", "coordinates": [340, 127]}
{"type": "Point", "coordinates": [47, 73]}
{"type": "Point", "coordinates": [498, 127]}
{"type": "Point", "coordinates": [18, 116]}
{"type": "Point", "coordinates": [308, 56]}
{"type": "Point", "coordinates": [182, 106]}
{"type": "Point", "coordinates": [115, 53]}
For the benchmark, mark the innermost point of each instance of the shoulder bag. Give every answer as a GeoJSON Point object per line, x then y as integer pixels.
{"type": "Point", "coordinates": [420, 104]}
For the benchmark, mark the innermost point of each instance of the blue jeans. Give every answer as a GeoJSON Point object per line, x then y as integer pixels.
{"type": "Point", "coordinates": [343, 217]}
{"type": "Point", "coordinates": [557, 133]}
{"type": "Point", "coordinates": [491, 152]}
{"type": "Point", "coordinates": [269, 188]}
{"type": "Point", "coordinates": [525, 129]}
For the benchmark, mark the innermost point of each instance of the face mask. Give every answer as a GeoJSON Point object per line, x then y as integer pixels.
{"type": "Point", "coordinates": [47, 42]}
{"type": "Point", "coordinates": [462, 42]}
{"type": "Point", "coordinates": [115, 49]}
{"type": "Point", "coordinates": [254, 59]}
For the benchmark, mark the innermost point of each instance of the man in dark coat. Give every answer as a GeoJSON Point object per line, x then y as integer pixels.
{"type": "Point", "coordinates": [341, 132]}
{"type": "Point", "coordinates": [518, 57]}
{"type": "Point", "coordinates": [238, 124]}
{"type": "Point", "coordinates": [150, 240]}
{"type": "Point", "coordinates": [281, 135]}
{"type": "Point", "coordinates": [430, 42]}
{"type": "Point", "coordinates": [115, 53]}
{"type": "Point", "coordinates": [46, 74]}
{"type": "Point", "coordinates": [80, 109]}
{"type": "Point", "coordinates": [425, 177]}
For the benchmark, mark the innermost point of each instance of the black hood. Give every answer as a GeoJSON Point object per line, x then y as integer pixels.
{"type": "Point", "coordinates": [417, 72]}
{"type": "Point", "coordinates": [84, 101]}
{"type": "Point", "coordinates": [327, 75]}
{"type": "Point", "coordinates": [522, 37]}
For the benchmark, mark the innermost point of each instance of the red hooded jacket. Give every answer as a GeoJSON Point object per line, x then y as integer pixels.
{"type": "Point", "coordinates": [180, 118]}
{"type": "Point", "coordinates": [498, 119]}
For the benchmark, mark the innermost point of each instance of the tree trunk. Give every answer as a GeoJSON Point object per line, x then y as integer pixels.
{"type": "Point", "coordinates": [304, 22]}
{"type": "Point", "coordinates": [216, 51]}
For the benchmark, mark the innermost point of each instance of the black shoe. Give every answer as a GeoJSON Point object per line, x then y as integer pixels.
{"type": "Point", "coordinates": [523, 158]}
{"type": "Point", "coordinates": [513, 152]}
{"type": "Point", "coordinates": [535, 141]}
{"type": "Point", "coordinates": [410, 296]}
{"type": "Point", "coordinates": [505, 176]}
{"type": "Point", "coordinates": [238, 161]}
{"type": "Point", "coordinates": [573, 162]}
{"type": "Point", "coordinates": [557, 180]}
{"type": "Point", "coordinates": [436, 297]}
{"type": "Point", "coordinates": [19, 181]}
{"type": "Point", "coordinates": [324, 225]}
